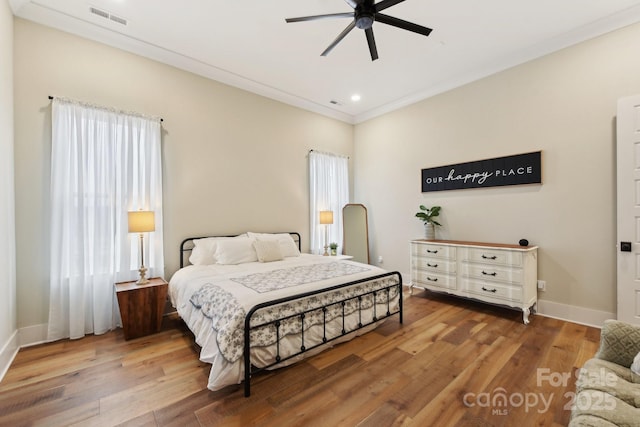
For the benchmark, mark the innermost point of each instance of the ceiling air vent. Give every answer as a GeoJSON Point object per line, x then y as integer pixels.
{"type": "Point", "coordinates": [117, 19]}
{"type": "Point", "coordinates": [106, 15]}
{"type": "Point", "coordinates": [99, 12]}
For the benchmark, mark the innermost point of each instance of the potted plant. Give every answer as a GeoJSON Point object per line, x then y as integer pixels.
{"type": "Point", "coordinates": [334, 248]}
{"type": "Point", "coordinates": [427, 215]}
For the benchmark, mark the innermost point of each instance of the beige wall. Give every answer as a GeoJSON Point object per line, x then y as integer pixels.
{"type": "Point", "coordinates": [233, 161]}
{"type": "Point", "coordinates": [8, 328]}
{"type": "Point", "coordinates": [563, 104]}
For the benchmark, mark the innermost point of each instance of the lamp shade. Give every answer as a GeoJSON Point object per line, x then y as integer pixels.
{"type": "Point", "coordinates": [141, 221]}
{"type": "Point", "coordinates": [326, 217]}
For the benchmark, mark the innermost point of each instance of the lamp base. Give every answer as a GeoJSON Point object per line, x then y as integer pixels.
{"type": "Point", "coordinates": [326, 253]}
{"type": "Point", "coordinates": [143, 280]}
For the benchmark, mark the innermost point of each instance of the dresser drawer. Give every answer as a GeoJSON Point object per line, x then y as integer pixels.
{"type": "Point", "coordinates": [493, 290]}
{"type": "Point", "coordinates": [425, 278]}
{"type": "Point", "coordinates": [493, 256]}
{"type": "Point", "coordinates": [434, 264]}
{"type": "Point", "coordinates": [493, 273]}
{"type": "Point", "coordinates": [433, 251]}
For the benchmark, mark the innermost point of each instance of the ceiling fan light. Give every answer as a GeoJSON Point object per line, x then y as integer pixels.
{"type": "Point", "coordinates": [364, 21]}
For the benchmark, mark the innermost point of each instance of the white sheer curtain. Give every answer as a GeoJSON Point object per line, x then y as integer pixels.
{"type": "Point", "coordinates": [329, 191]}
{"type": "Point", "coordinates": [103, 164]}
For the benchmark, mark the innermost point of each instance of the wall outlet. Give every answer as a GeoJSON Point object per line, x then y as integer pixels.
{"type": "Point", "coordinates": [380, 259]}
{"type": "Point", "coordinates": [542, 285]}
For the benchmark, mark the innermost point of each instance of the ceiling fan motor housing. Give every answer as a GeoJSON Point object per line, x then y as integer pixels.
{"type": "Point", "coordinates": [365, 15]}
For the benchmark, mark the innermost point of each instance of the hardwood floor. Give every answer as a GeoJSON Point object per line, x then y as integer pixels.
{"type": "Point", "coordinates": [449, 364]}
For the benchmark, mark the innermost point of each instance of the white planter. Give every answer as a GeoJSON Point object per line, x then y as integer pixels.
{"type": "Point", "coordinates": [430, 231]}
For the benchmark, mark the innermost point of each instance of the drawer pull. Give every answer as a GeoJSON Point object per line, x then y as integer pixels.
{"type": "Point", "coordinates": [489, 290]}
{"type": "Point", "coordinates": [494, 274]}
{"type": "Point", "coordinates": [489, 257]}
{"type": "Point", "coordinates": [429, 251]}
{"type": "Point", "coordinates": [432, 279]}
{"type": "Point", "coordinates": [432, 265]}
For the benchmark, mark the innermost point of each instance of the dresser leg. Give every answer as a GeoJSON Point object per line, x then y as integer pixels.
{"type": "Point", "coordinates": [525, 315]}
{"type": "Point", "coordinates": [410, 288]}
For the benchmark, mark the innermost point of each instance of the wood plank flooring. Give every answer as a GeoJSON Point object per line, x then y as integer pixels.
{"type": "Point", "coordinates": [452, 363]}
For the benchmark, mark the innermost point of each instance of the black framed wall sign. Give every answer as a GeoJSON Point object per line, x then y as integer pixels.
{"type": "Point", "coordinates": [500, 171]}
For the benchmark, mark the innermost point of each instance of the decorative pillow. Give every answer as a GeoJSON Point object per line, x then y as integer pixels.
{"type": "Point", "coordinates": [619, 342]}
{"type": "Point", "coordinates": [268, 250]}
{"type": "Point", "coordinates": [235, 251]}
{"type": "Point", "coordinates": [288, 246]}
{"type": "Point", "coordinates": [635, 366]}
{"type": "Point", "coordinates": [204, 250]}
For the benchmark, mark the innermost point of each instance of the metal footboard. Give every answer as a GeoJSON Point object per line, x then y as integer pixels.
{"type": "Point", "coordinates": [249, 369]}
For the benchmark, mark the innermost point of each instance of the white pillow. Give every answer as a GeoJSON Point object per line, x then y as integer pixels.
{"type": "Point", "coordinates": [268, 250]}
{"type": "Point", "coordinates": [288, 246]}
{"type": "Point", "coordinates": [235, 251]}
{"type": "Point", "coordinates": [204, 250]}
{"type": "Point", "coordinates": [635, 366]}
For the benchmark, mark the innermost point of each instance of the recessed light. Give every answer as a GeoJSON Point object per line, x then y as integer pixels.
{"type": "Point", "coordinates": [355, 98]}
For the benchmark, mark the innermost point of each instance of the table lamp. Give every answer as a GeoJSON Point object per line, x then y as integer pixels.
{"type": "Point", "coordinates": [326, 218]}
{"type": "Point", "coordinates": [142, 222]}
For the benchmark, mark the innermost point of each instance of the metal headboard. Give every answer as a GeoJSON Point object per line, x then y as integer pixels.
{"type": "Point", "coordinates": [187, 245]}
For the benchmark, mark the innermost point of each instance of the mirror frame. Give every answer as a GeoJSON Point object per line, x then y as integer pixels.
{"type": "Point", "coordinates": [366, 229]}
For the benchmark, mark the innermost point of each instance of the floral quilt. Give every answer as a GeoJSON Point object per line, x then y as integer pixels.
{"type": "Point", "coordinates": [228, 315]}
{"type": "Point", "coordinates": [295, 276]}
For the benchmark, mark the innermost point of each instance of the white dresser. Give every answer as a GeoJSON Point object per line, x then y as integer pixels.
{"type": "Point", "coordinates": [490, 272]}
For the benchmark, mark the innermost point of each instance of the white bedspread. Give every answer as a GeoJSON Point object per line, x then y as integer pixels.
{"type": "Point", "coordinates": [194, 291]}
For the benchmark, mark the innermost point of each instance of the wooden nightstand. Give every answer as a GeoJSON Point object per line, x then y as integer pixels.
{"type": "Point", "coordinates": [141, 306]}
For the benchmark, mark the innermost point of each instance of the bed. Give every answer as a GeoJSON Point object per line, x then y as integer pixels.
{"type": "Point", "coordinates": [253, 302]}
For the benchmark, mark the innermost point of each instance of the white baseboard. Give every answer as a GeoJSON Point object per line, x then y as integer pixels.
{"type": "Point", "coordinates": [572, 313]}
{"type": "Point", "coordinates": [33, 335]}
{"type": "Point", "coordinates": [569, 313]}
{"type": "Point", "coordinates": [23, 337]}
{"type": "Point", "coordinates": [8, 353]}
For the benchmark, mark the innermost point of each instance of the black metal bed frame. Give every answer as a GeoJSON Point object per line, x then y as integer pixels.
{"type": "Point", "coordinates": [187, 245]}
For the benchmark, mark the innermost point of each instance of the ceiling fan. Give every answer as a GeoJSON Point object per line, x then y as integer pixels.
{"type": "Point", "coordinates": [365, 13]}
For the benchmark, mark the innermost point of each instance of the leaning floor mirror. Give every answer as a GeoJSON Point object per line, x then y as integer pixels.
{"type": "Point", "coordinates": [356, 232]}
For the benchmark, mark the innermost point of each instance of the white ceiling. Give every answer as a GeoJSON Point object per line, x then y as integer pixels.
{"type": "Point", "coordinates": [248, 44]}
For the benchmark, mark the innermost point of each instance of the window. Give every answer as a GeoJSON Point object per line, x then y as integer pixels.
{"type": "Point", "coordinates": [103, 164]}
{"type": "Point", "coordinates": [329, 191]}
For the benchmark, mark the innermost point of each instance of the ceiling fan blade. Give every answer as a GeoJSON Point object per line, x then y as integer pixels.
{"type": "Point", "coordinates": [338, 39]}
{"type": "Point", "coordinates": [354, 3]}
{"type": "Point", "coordinates": [405, 25]}
{"type": "Point", "coordinates": [372, 44]}
{"type": "Point", "coordinates": [316, 17]}
{"type": "Point", "coordinates": [386, 3]}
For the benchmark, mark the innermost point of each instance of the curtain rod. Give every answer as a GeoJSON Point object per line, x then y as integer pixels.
{"type": "Point", "coordinates": [51, 98]}
{"type": "Point", "coordinates": [328, 154]}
